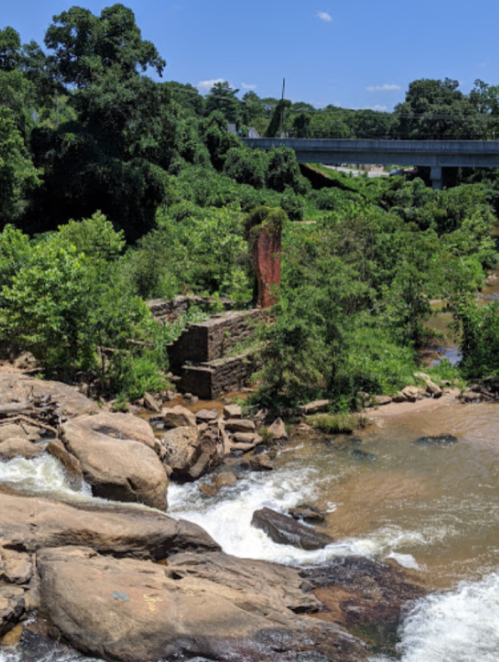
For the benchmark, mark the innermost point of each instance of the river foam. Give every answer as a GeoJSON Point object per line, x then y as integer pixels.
{"type": "Point", "coordinates": [227, 518]}
{"type": "Point", "coordinates": [43, 476]}
{"type": "Point", "coordinates": [454, 626]}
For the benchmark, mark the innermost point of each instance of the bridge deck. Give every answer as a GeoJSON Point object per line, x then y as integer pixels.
{"type": "Point", "coordinates": [432, 153]}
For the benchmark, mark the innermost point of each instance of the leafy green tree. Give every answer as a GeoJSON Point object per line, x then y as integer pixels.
{"type": "Point", "coordinates": [478, 330]}
{"type": "Point", "coordinates": [246, 166]}
{"type": "Point", "coordinates": [437, 110]}
{"type": "Point", "coordinates": [222, 98]}
{"type": "Point", "coordinates": [301, 125]}
{"type": "Point", "coordinates": [10, 49]}
{"type": "Point", "coordinates": [87, 46]}
{"type": "Point", "coordinates": [18, 176]}
{"type": "Point", "coordinates": [17, 93]}
{"type": "Point", "coordinates": [283, 171]}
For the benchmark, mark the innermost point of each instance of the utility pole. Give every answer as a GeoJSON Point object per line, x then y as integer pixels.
{"type": "Point", "coordinates": [282, 107]}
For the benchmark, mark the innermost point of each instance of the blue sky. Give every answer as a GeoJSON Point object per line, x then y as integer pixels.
{"type": "Point", "coordinates": [353, 53]}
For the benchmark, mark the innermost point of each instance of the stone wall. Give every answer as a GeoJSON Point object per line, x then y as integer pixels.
{"type": "Point", "coordinates": [169, 311]}
{"type": "Point", "coordinates": [210, 381]}
{"type": "Point", "coordinates": [212, 339]}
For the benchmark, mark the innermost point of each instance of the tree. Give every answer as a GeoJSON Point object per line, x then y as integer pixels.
{"type": "Point", "coordinates": [222, 98]}
{"type": "Point", "coordinates": [10, 49]}
{"type": "Point", "coordinates": [301, 124]}
{"type": "Point", "coordinates": [86, 46]}
{"type": "Point", "coordinates": [18, 176]}
{"type": "Point", "coordinates": [437, 110]}
{"type": "Point", "coordinates": [283, 171]}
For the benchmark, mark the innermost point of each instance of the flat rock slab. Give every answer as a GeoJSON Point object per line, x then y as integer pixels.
{"type": "Point", "coordinates": [30, 523]}
{"type": "Point", "coordinates": [285, 530]}
{"type": "Point", "coordinates": [15, 387]}
{"type": "Point", "coordinates": [132, 610]}
{"type": "Point", "coordinates": [117, 459]}
{"type": "Point", "coordinates": [239, 425]}
{"type": "Point", "coordinates": [282, 586]}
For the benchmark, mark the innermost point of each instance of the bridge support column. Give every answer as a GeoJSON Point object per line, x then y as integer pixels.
{"type": "Point", "coordinates": [436, 177]}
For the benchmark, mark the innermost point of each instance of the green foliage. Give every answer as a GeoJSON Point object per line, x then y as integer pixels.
{"type": "Point", "coordinates": [18, 176]}
{"type": "Point", "coordinates": [292, 204]}
{"type": "Point", "coordinates": [283, 171]}
{"type": "Point", "coordinates": [246, 166]}
{"type": "Point", "coordinates": [10, 49]}
{"type": "Point", "coordinates": [87, 46]}
{"type": "Point", "coordinates": [73, 311]}
{"type": "Point", "coordinates": [478, 328]}
{"type": "Point", "coordinates": [95, 237]}
{"type": "Point", "coordinates": [222, 99]}
{"type": "Point", "coordinates": [336, 423]}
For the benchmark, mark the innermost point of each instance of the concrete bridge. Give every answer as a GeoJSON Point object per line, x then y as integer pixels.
{"type": "Point", "coordinates": [435, 154]}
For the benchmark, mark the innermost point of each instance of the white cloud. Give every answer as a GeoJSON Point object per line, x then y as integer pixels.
{"type": "Point", "coordinates": [482, 64]}
{"type": "Point", "coordinates": [324, 16]}
{"type": "Point", "coordinates": [387, 87]}
{"type": "Point", "coordinates": [248, 86]}
{"type": "Point", "coordinates": [379, 108]}
{"type": "Point", "coordinates": [206, 85]}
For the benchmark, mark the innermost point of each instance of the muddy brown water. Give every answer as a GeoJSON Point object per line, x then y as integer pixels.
{"type": "Point", "coordinates": [445, 498]}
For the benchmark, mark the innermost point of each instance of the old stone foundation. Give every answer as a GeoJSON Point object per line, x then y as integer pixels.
{"type": "Point", "coordinates": [205, 358]}
{"type": "Point", "coordinates": [211, 380]}
{"type": "Point", "coordinates": [169, 311]}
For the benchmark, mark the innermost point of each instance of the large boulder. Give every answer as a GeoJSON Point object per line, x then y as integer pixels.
{"type": "Point", "coordinates": [15, 387]}
{"type": "Point", "coordinates": [30, 523]}
{"type": "Point", "coordinates": [117, 459]}
{"type": "Point", "coordinates": [285, 530]}
{"type": "Point", "coordinates": [133, 610]}
{"type": "Point", "coordinates": [188, 453]}
{"type": "Point", "coordinates": [19, 447]}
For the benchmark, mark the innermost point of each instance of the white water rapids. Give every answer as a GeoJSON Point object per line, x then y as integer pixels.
{"type": "Point", "coordinates": [460, 624]}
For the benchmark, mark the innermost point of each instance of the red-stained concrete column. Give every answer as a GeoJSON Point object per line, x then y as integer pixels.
{"type": "Point", "coordinates": [266, 259]}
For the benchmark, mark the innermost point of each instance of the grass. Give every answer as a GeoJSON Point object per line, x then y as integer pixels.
{"type": "Point", "coordinates": [337, 423]}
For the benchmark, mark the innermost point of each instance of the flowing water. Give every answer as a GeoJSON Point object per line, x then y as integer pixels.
{"type": "Point", "coordinates": [428, 506]}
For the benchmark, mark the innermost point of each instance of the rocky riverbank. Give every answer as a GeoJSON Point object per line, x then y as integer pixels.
{"type": "Point", "coordinates": [129, 583]}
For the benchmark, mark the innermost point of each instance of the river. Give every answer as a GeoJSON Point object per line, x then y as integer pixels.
{"type": "Point", "coordinates": [434, 508]}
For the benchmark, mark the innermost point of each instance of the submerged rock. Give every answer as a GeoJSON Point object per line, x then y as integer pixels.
{"type": "Point", "coordinates": [307, 513]}
{"type": "Point", "coordinates": [285, 530]}
{"type": "Point", "coordinates": [437, 440]}
{"type": "Point", "coordinates": [365, 595]}
{"type": "Point", "coordinates": [363, 455]}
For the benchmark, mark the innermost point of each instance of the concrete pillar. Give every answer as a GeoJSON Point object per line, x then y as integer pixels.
{"type": "Point", "coordinates": [436, 177]}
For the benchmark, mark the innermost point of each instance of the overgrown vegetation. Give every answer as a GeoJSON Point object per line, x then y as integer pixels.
{"type": "Point", "coordinates": [161, 192]}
